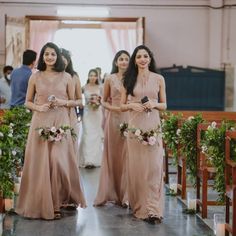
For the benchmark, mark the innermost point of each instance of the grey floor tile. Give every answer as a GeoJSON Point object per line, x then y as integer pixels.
{"type": "Point", "coordinates": [108, 220]}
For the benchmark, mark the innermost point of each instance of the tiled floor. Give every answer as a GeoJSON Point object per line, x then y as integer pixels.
{"type": "Point", "coordinates": [108, 220]}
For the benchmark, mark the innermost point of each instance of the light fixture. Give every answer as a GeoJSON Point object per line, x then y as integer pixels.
{"type": "Point", "coordinates": [83, 11]}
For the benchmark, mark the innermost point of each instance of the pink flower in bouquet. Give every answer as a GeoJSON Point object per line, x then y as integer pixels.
{"type": "Point", "coordinates": [125, 133]}
{"type": "Point", "coordinates": [94, 101]}
{"type": "Point", "coordinates": [137, 132]}
{"type": "Point", "coordinates": [54, 134]}
{"type": "Point", "coordinates": [144, 137]}
{"type": "Point", "coordinates": [58, 137]}
{"type": "Point", "coordinates": [151, 140]}
{"type": "Point", "coordinates": [53, 129]}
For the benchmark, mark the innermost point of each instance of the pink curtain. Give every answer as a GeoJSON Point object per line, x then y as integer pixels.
{"type": "Point", "coordinates": [41, 32]}
{"type": "Point", "coordinates": [120, 35]}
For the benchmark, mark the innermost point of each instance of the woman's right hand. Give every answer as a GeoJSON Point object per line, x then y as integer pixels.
{"type": "Point", "coordinates": [44, 108]}
{"type": "Point", "coordinates": [137, 107]}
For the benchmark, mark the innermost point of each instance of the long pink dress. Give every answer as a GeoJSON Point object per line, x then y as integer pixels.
{"type": "Point", "coordinates": [50, 173]}
{"type": "Point", "coordinates": [113, 179]}
{"type": "Point", "coordinates": [145, 162]}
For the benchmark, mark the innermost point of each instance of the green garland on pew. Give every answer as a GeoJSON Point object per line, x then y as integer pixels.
{"type": "Point", "coordinates": [188, 141]}
{"type": "Point", "coordinates": [213, 146]}
{"type": "Point", "coordinates": [170, 133]}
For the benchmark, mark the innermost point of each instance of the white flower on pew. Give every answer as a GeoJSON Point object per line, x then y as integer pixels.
{"type": "Point", "coordinates": [213, 124]}
{"type": "Point", "coordinates": [204, 148]}
{"type": "Point", "coordinates": [11, 125]}
{"type": "Point", "coordinates": [232, 129]}
{"type": "Point", "coordinates": [190, 118]}
{"type": "Point", "coordinates": [13, 152]}
{"type": "Point", "coordinates": [0, 152]}
{"type": "Point", "coordinates": [178, 132]}
{"type": "Point", "coordinates": [1, 134]}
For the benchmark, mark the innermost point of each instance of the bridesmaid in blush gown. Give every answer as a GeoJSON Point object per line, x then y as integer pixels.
{"type": "Point", "coordinates": [50, 174]}
{"type": "Point", "coordinates": [143, 96]}
{"type": "Point", "coordinates": [112, 184]}
{"type": "Point", "coordinates": [78, 96]}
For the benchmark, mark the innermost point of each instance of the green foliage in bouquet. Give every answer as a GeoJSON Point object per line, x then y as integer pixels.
{"type": "Point", "coordinates": [188, 141]}
{"type": "Point", "coordinates": [170, 132]}
{"type": "Point", "coordinates": [213, 145]}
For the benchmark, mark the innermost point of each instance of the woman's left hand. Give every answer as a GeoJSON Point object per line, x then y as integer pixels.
{"type": "Point", "coordinates": [59, 102]}
{"type": "Point", "coordinates": [150, 104]}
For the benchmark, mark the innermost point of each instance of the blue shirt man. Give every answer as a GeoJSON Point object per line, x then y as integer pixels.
{"type": "Point", "coordinates": [20, 78]}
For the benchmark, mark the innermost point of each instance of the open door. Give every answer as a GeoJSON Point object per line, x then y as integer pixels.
{"type": "Point", "coordinates": [34, 31]}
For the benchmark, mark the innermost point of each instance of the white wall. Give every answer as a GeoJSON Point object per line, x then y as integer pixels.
{"type": "Point", "coordinates": [195, 35]}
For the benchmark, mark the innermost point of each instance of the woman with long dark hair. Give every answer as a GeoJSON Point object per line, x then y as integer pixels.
{"type": "Point", "coordinates": [50, 173]}
{"type": "Point", "coordinates": [143, 96]}
{"type": "Point", "coordinates": [112, 184]}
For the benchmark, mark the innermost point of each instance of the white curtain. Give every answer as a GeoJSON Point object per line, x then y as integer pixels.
{"type": "Point", "coordinates": [120, 36]}
{"type": "Point", "coordinates": [41, 32]}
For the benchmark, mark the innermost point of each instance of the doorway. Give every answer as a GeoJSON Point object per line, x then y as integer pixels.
{"type": "Point", "coordinates": [92, 42]}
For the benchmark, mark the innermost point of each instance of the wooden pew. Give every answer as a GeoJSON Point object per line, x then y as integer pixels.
{"type": "Point", "coordinates": [181, 167]}
{"type": "Point", "coordinates": [230, 184]}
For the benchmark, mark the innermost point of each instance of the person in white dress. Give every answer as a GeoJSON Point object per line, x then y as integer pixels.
{"type": "Point", "coordinates": [91, 144]}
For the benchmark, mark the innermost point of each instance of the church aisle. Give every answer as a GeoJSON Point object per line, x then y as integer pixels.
{"type": "Point", "coordinates": [108, 220]}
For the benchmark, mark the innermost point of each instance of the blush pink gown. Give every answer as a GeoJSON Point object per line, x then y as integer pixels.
{"type": "Point", "coordinates": [50, 173]}
{"type": "Point", "coordinates": [145, 162]}
{"type": "Point", "coordinates": [113, 179]}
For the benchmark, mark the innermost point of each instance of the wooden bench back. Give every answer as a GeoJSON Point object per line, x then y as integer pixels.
{"type": "Point", "coordinates": [208, 115]}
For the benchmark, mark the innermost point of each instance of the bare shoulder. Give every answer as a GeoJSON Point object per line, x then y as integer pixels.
{"type": "Point", "coordinates": [34, 76]}
{"type": "Point", "coordinates": [75, 77]}
{"type": "Point", "coordinates": [66, 75]}
{"type": "Point", "coordinates": [159, 77]}
{"type": "Point", "coordinates": [108, 78]}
